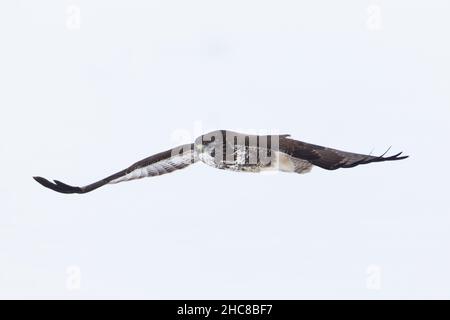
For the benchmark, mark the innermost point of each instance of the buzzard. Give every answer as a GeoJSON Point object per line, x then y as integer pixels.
{"type": "Point", "coordinates": [228, 150]}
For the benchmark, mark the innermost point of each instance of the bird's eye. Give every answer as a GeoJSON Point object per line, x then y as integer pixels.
{"type": "Point", "coordinates": [205, 142]}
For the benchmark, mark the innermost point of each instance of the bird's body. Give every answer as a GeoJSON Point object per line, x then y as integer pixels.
{"type": "Point", "coordinates": [233, 151]}
{"type": "Point", "coordinates": [247, 153]}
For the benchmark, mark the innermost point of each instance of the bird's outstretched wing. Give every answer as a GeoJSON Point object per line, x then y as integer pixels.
{"type": "Point", "coordinates": [328, 158]}
{"type": "Point", "coordinates": [158, 164]}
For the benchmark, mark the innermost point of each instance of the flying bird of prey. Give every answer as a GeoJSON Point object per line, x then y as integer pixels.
{"type": "Point", "coordinates": [234, 151]}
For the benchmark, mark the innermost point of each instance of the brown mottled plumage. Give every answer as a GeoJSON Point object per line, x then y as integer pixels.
{"type": "Point", "coordinates": [234, 151]}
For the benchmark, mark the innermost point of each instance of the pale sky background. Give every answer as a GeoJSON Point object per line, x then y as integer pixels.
{"type": "Point", "coordinates": [89, 87]}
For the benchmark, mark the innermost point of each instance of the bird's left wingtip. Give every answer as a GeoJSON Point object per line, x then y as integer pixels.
{"type": "Point", "coordinates": [42, 181]}
{"type": "Point", "coordinates": [57, 186]}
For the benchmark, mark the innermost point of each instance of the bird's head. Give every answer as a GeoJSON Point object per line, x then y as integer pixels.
{"type": "Point", "coordinates": [207, 142]}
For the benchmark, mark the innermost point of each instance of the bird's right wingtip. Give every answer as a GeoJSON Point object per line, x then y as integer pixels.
{"type": "Point", "coordinates": [398, 156]}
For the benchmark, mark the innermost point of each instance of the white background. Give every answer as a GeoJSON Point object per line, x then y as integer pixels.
{"type": "Point", "coordinates": [89, 87]}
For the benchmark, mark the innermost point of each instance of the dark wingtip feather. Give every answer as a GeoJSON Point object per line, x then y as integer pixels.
{"type": "Point", "coordinates": [370, 159]}
{"type": "Point", "coordinates": [386, 152]}
{"type": "Point", "coordinates": [390, 158]}
{"type": "Point", "coordinates": [396, 157]}
{"type": "Point", "coordinates": [58, 186]}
